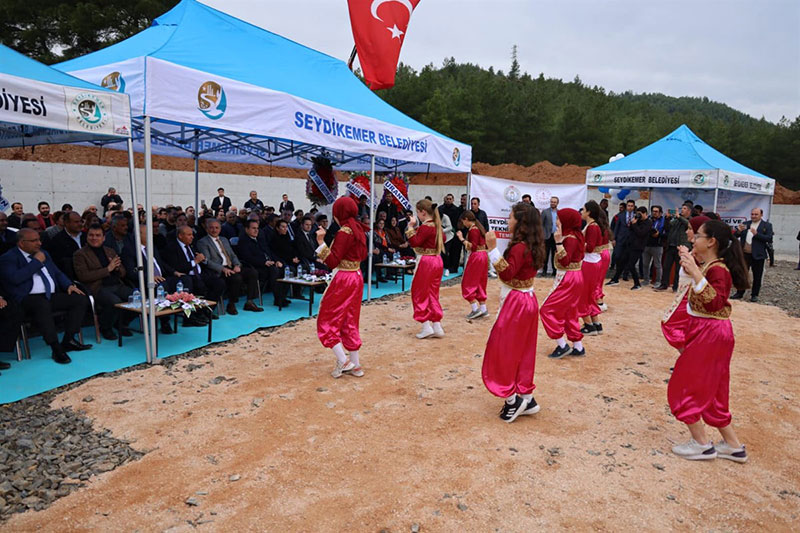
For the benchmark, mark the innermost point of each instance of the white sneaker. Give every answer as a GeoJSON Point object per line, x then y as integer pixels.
{"type": "Point", "coordinates": [603, 307]}
{"type": "Point", "coordinates": [694, 451]}
{"type": "Point", "coordinates": [340, 368]}
{"type": "Point", "coordinates": [726, 451]}
{"type": "Point", "coordinates": [438, 332]}
{"type": "Point", "coordinates": [357, 371]}
{"type": "Point", "coordinates": [427, 331]}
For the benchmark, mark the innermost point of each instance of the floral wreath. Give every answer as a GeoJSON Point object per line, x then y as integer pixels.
{"type": "Point", "coordinates": [401, 182]}
{"type": "Point", "coordinates": [324, 169]}
{"type": "Point", "coordinates": [363, 181]}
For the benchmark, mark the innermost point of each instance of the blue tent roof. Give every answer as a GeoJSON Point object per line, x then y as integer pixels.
{"type": "Point", "coordinates": [16, 64]}
{"type": "Point", "coordinates": [680, 150]}
{"type": "Point", "coordinates": [199, 37]}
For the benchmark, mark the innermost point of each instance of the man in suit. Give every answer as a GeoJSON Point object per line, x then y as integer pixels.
{"type": "Point", "coordinates": [221, 202]}
{"type": "Point", "coordinates": [622, 234]}
{"type": "Point", "coordinates": [31, 278]}
{"type": "Point", "coordinates": [306, 242]}
{"type": "Point", "coordinates": [68, 241]}
{"type": "Point", "coordinates": [185, 261]}
{"type": "Point", "coordinates": [286, 204]}
{"type": "Point", "coordinates": [223, 263]}
{"type": "Point", "coordinates": [754, 235]}
{"type": "Point", "coordinates": [15, 218]}
{"type": "Point", "coordinates": [255, 252]}
{"type": "Point", "coordinates": [118, 236]}
{"type": "Point", "coordinates": [549, 218]}
{"type": "Point", "coordinates": [8, 238]}
{"type": "Point", "coordinates": [101, 270]}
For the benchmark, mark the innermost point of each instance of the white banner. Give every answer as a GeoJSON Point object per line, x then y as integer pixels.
{"type": "Point", "coordinates": [733, 207]}
{"type": "Point", "coordinates": [498, 197]}
{"type": "Point", "coordinates": [685, 179]}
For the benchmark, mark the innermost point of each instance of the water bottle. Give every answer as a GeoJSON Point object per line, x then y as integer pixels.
{"type": "Point", "coordinates": [137, 298]}
{"type": "Point", "coordinates": [287, 273]}
{"type": "Point", "coordinates": [179, 287]}
{"type": "Point", "coordinates": [300, 271]}
{"type": "Point", "coordinates": [396, 258]}
{"type": "Point", "coordinates": [160, 293]}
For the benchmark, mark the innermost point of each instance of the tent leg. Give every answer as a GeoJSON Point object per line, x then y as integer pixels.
{"type": "Point", "coordinates": [196, 186]}
{"type": "Point", "coordinates": [370, 244]}
{"type": "Point", "coordinates": [469, 186]}
{"type": "Point", "coordinates": [716, 198]}
{"type": "Point", "coordinates": [148, 207]}
{"type": "Point", "coordinates": [138, 241]}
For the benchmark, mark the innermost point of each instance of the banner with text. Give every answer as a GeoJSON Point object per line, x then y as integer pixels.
{"type": "Point", "coordinates": [733, 207]}
{"type": "Point", "coordinates": [498, 196]}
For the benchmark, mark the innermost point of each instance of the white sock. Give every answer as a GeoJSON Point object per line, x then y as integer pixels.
{"type": "Point", "coordinates": [578, 345]}
{"type": "Point", "coordinates": [354, 357]}
{"type": "Point", "coordinates": [511, 399]}
{"type": "Point", "coordinates": [338, 351]}
{"type": "Point", "coordinates": [528, 397]}
{"type": "Point", "coordinates": [474, 306]}
{"type": "Point", "coordinates": [483, 308]}
{"type": "Point", "coordinates": [561, 342]}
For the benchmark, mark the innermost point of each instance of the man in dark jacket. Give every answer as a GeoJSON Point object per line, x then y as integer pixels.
{"type": "Point", "coordinates": [220, 202]}
{"type": "Point", "coordinates": [66, 242]}
{"type": "Point", "coordinates": [641, 226]}
{"type": "Point", "coordinates": [676, 226]}
{"type": "Point", "coordinates": [453, 246]}
{"type": "Point", "coordinates": [254, 251]}
{"type": "Point", "coordinates": [622, 234]}
{"type": "Point", "coordinates": [754, 236]}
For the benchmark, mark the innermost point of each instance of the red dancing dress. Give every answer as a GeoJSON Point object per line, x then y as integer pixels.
{"type": "Point", "coordinates": [560, 309]}
{"type": "Point", "coordinates": [340, 308]}
{"type": "Point", "coordinates": [510, 356]}
{"type": "Point", "coordinates": [592, 271]}
{"type": "Point", "coordinates": [673, 323]}
{"type": "Point", "coordinates": [428, 273]}
{"type": "Point", "coordinates": [476, 273]}
{"type": "Point", "coordinates": [605, 262]}
{"type": "Point", "coordinates": [700, 382]}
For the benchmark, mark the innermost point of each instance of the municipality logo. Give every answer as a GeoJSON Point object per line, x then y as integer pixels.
{"type": "Point", "coordinates": [726, 180]}
{"type": "Point", "coordinates": [90, 111]}
{"type": "Point", "coordinates": [456, 156]}
{"type": "Point", "coordinates": [114, 81]}
{"type": "Point", "coordinates": [699, 179]}
{"type": "Point", "coordinates": [211, 100]}
{"type": "Point", "coordinates": [598, 177]}
{"type": "Point", "coordinates": [512, 194]}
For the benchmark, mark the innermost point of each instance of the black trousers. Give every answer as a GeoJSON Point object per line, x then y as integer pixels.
{"type": "Point", "coordinates": [268, 277]}
{"type": "Point", "coordinates": [626, 262]}
{"type": "Point", "coordinates": [757, 266]}
{"type": "Point", "coordinates": [104, 301]}
{"type": "Point", "coordinates": [549, 255]}
{"type": "Point", "coordinates": [10, 320]}
{"type": "Point", "coordinates": [40, 310]}
{"type": "Point", "coordinates": [453, 249]}
{"type": "Point", "coordinates": [671, 257]}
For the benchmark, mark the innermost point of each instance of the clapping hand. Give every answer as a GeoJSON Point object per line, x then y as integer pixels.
{"type": "Point", "coordinates": [491, 240]}
{"type": "Point", "coordinates": [412, 221]}
{"type": "Point", "coordinates": [321, 236]}
{"type": "Point", "coordinates": [557, 236]}
{"type": "Point", "coordinates": [690, 265]}
{"type": "Point", "coordinates": [114, 264]}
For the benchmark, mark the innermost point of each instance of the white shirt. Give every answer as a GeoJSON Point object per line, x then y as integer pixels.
{"type": "Point", "coordinates": [38, 283]}
{"type": "Point", "coordinates": [156, 269]}
{"type": "Point", "coordinates": [749, 237]}
{"type": "Point", "coordinates": [218, 244]}
{"type": "Point", "coordinates": [190, 256]}
{"type": "Point", "coordinates": [77, 238]}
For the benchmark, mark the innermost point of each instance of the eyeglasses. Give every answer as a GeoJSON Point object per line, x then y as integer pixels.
{"type": "Point", "coordinates": [701, 236]}
{"type": "Point", "coordinates": [31, 240]}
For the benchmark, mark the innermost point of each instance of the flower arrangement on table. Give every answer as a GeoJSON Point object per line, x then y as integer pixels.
{"type": "Point", "coordinates": [182, 300]}
{"type": "Point", "coordinates": [395, 185]}
{"type": "Point", "coordinates": [322, 187]}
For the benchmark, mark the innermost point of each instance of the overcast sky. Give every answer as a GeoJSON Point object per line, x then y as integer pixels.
{"type": "Point", "coordinates": [742, 53]}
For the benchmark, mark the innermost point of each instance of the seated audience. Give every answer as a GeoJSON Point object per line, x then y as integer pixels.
{"type": "Point", "coordinates": [397, 239]}
{"type": "Point", "coordinates": [44, 217]}
{"type": "Point", "coordinates": [8, 238]}
{"type": "Point", "coordinates": [10, 320]}
{"type": "Point", "coordinates": [230, 229]}
{"type": "Point", "coordinates": [118, 236]}
{"type": "Point", "coordinates": [68, 241]}
{"type": "Point", "coordinates": [254, 251]}
{"type": "Point", "coordinates": [52, 231]}
{"type": "Point", "coordinates": [283, 245]}
{"type": "Point", "coordinates": [31, 278]}
{"type": "Point", "coordinates": [15, 218]}
{"type": "Point", "coordinates": [306, 243]}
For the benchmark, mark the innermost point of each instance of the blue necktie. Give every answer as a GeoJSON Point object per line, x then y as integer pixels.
{"type": "Point", "coordinates": [48, 290]}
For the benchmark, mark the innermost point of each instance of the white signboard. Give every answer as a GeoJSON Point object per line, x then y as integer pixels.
{"type": "Point", "coordinates": [733, 207]}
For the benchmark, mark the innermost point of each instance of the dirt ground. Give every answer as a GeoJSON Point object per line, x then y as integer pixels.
{"type": "Point", "coordinates": [262, 438]}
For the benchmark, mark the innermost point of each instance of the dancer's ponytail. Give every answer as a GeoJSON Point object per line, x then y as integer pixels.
{"type": "Point", "coordinates": [428, 207]}
{"type": "Point", "coordinates": [730, 251]}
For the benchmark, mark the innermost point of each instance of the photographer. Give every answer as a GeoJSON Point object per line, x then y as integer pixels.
{"type": "Point", "coordinates": [676, 236]}
{"type": "Point", "coordinates": [654, 246]}
{"type": "Point", "coordinates": [640, 228]}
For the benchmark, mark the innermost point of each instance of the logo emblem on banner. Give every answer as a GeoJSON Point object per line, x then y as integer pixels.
{"type": "Point", "coordinates": [512, 194]}
{"type": "Point", "coordinates": [3, 202]}
{"type": "Point", "coordinates": [456, 156]}
{"type": "Point", "coordinates": [598, 177]}
{"type": "Point", "coordinates": [542, 197]}
{"type": "Point", "coordinates": [726, 180]}
{"type": "Point", "coordinates": [699, 179]}
{"type": "Point", "coordinates": [115, 82]}
{"type": "Point", "coordinates": [211, 100]}
{"type": "Point", "coordinates": [90, 111]}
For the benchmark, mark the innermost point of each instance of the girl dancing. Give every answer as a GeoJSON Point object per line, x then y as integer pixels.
{"type": "Point", "coordinates": [427, 240]}
{"type": "Point", "coordinates": [605, 258]}
{"type": "Point", "coordinates": [340, 308]}
{"type": "Point", "coordinates": [560, 309]}
{"type": "Point", "coordinates": [510, 355]}
{"type": "Point", "coordinates": [476, 272]}
{"type": "Point", "coordinates": [592, 270]}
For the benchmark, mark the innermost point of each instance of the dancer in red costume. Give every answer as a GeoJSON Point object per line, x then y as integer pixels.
{"type": "Point", "coordinates": [476, 271]}
{"type": "Point", "coordinates": [510, 356]}
{"type": "Point", "coordinates": [605, 259]}
{"type": "Point", "coordinates": [340, 308]}
{"type": "Point", "coordinates": [699, 387]}
{"type": "Point", "coordinates": [427, 241]}
{"type": "Point", "coordinates": [592, 269]}
{"type": "Point", "coordinates": [560, 309]}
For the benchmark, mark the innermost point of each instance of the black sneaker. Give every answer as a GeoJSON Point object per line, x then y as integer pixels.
{"type": "Point", "coordinates": [636, 288]}
{"type": "Point", "coordinates": [532, 408]}
{"type": "Point", "coordinates": [612, 282]}
{"type": "Point", "coordinates": [510, 412]}
{"type": "Point", "coordinates": [598, 328]}
{"type": "Point", "coordinates": [558, 353]}
{"type": "Point", "coordinates": [737, 296]}
{"type": "Point", "coordinates": [589, 329]}
{"type": "Point", "coordinates": [578, 353]}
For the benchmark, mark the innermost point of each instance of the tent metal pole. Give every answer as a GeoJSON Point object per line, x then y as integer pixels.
{"type": "Point", "coordinates": [196, 156]}
{"type": "Point", "coordinates": [371, 242]}
{"type": "Point", "coordinates": [148, 207]}
{"type": "Point", "coordinates": [469, 186]}
{"type": "Point", "coordinates": [138, 241]}
{"type": "Point", "coordinates": [716, 197]}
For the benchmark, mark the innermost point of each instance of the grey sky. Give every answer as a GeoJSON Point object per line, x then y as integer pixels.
{"type": "Point", "coordinates": [742, 53]}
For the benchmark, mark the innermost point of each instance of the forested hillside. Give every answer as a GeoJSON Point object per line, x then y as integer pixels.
{"type": "Point", "coordinates": [516, 118]}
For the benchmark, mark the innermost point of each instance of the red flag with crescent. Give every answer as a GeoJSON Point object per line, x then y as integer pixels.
{"type": "Point", "coordinates": [379, 29]}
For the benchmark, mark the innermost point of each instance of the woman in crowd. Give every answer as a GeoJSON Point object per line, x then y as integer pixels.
{"type": "Point", "coordinates": [340, 308]}
{"type": "Point", "coordinates": [427, 239]}
{"type": "Point", "coordinates": [381, 243]}
{"type": "Point", "coordinates": [591, 269]}
{"type": "Point", "coordinates": [510, 356]}
{"type": "Point", "coordinates": [605, 258]}
{"type": "Point", "coordinates": [476, 272]}
{"type": "Point", "coordinates": [560, 309]}
{"type": "Point", "coordinates": [397, 239]}
{"type": "Point", "coordinates": [699, 387]}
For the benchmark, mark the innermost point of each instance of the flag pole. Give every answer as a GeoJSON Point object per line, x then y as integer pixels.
{"type": "Point", "coordinates": [352, 58]}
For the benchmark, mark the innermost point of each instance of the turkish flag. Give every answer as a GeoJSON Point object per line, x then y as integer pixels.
{"type": "Point", "coordinates": [379, 28]}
